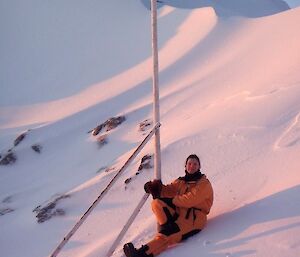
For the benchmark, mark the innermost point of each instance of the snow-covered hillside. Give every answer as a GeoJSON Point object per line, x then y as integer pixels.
{"type": "Point", "coordinates": [229, 90]}
{"type": "Point", "coordinates": [293, 3]}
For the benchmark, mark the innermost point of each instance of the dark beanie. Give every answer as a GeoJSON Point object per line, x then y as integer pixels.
{"type": "Point", "coordinates": [193, 156]}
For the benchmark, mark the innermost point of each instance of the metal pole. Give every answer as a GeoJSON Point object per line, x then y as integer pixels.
{"type": "Point", "coordinates": [127, 225]}
{"type": "Point", "coordinates": [156, 118]}
{"type": "Point", "coordinates": [85, 215]}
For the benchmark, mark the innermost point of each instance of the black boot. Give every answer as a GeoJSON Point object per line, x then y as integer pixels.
{"type": "Point", "coordinates": [131, 251]}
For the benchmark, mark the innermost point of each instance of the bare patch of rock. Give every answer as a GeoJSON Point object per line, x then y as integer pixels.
{"type": "Point", "coordinates": [20, 138]}
{"type": "Point", "coordinates": [37, 148]}
{"type": "Point", "coordinates": [108, 125]}
{"type": "Point", "coordinates": [145, 125]}
{"type": "Point", "coordinates": [146, 163]}
{"type": "Point", "coordinates": [50, 210]}
{"type": "Point", "coordinates": [9, 158]}
{"type": "Point", "coordinates": [4, 211]}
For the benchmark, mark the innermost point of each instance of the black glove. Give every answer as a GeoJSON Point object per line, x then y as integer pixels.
{"type": "Point", "coordinates": [147, 186]}
{"type": "Point", "coordinates": [154, 188]}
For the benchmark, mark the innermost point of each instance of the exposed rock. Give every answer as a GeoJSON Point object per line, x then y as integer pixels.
{"type": "Point", "coordinates": [146, 163]}
{"type": "Point", "coordinates": [97, 130]}
{"type": "Point", "coordinates": [46, 212]}
{"type": "Point", "coordinates": [109, 169]}
{"type": "Point", "coordinates": [7, 199]}
{"type": "Point", "coordinates": [5, 211]}
{"type": "Point", "coordinates": [50, 210]}
{"type": "Point", "coordinates": [19, 138]}
{"type": "Point", "coordinates": [108, 125]}
{"type": "Point", "coordinates": [144, 125]}
{"type": "Point", "coordinates": [127, 181]}
{"type": "Point", "coordinates": [101, 169]}
{"type": "Point", "coordinates": [8, 159]}
{"type": "Point", "coordinates": [114, 122]}
{"type": "Point", "coordinates": [60, 212]}
{"type": "Point", "coordinates": [106, 169]}
{"type": "Point", "coordinates": [37, 148]}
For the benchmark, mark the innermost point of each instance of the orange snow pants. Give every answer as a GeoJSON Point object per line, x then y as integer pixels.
{"type": "Point", "coordinates": [184, 226]}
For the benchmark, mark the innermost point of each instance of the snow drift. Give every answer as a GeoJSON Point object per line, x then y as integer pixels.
{"type": "Point", "coordinates": [229, 89]}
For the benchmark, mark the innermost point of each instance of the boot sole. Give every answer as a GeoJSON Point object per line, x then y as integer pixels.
{"type": "Point", "coordinates": [129, 250]}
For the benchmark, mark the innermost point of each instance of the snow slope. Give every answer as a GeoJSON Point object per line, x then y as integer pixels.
{"type": "Point", "coordinates": [293, 3]}
{"type": "Point", "coordinates": [229, 89]}
{"type": "Point", "coordinates": [228, 8]}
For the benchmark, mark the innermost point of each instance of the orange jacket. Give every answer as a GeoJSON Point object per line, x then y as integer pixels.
{"type": "Point", "coordinates": [197, 195]}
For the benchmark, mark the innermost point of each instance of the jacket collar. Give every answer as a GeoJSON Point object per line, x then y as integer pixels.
{"type": "Point", "coordinates": [192, 177]}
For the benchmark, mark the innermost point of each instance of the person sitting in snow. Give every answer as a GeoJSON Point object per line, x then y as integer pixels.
{"type": "Point", "coordinates": [181, 209]}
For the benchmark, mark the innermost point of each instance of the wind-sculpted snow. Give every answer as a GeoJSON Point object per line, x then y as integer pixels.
{"type": "Point", "coordinates": [291, 136]}
{"type": "Point", "coordinates": [228, 8]}
{"type": "Point", "coordinates": [179, 36]}
{"type": "Point", "coordinates": [229, 92]}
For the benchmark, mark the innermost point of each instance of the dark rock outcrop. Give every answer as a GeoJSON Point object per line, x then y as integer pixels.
{"type": "Point", "coordinates": [146, 124]}
{"type": "Point", "coordinates": [50, 210]}
{"type": "Point", "coordinates": [9, 158]}
{"type": "Point", "coordinates": [7, 199]}
{"type": "Point", "coordinates": [4, 211]}
{"type": "Point", "coordinates": [146, 163]}
{"type": "Point", "coordinates": [20, 138]}
{"type": "Point", "coordinates": [108, 125]}
{"type": "Point", "coordinates": [37, 148]}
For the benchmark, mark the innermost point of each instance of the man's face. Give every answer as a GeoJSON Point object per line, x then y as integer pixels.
{"type": "Point", "coordinates": [192, 166]}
